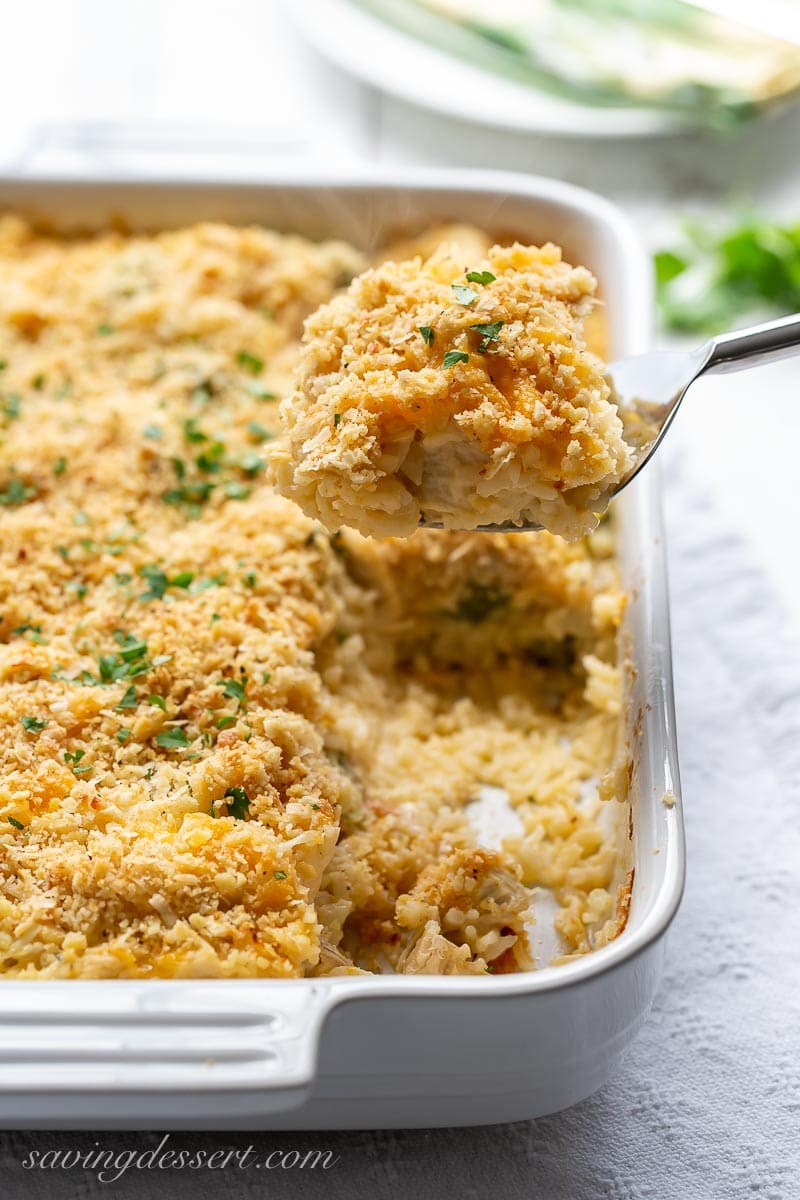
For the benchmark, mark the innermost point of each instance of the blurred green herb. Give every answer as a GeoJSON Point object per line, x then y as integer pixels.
{"type": "Point", "coordinates": [478, 601]}
{"type": "Point", "coordinates": [714, 281]}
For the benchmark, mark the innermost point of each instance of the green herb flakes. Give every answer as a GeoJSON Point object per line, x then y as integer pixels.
{"type": "Point", "coordinates": [234, 689]}
{"type": "Point", "coordinates": [172, 739]}
{"type": "Point", "coordinates": [129, 700]}
{"type": "Point", "coordinates": [16, 492]}
{"type": "Point", "coordinates": [480, 277]}
{"type": "Point", "coordinates": [454, 356]}
{"type": "Point", "coordinates": [33, 724]}
{"type": "Point", "coordinates": [427, 334]}
{"type": "Point", "coordinates": [238, 802]}
{"type": "Point", "coordinates": [463, 294]}
{"type": "Point", "coordinates": [489, 332]}
{"type": "Point", "coordinates": [258, 431]}
{"type": "Point", "coordinates": [259, 392]}
{"type": "Point", "coordinates": [478, 601]}
{"type": "Point", "coordinates": [235, 490]}
{"type": "Point", "coordinates": [250, 362]}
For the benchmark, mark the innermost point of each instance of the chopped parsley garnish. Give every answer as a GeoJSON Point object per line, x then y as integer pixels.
{"type": "Point", "coordinates": [190, 495]}
{"type": "Point", "coordinates": [105, 330]}
{"type": "Point", "coordinates": [26, 627]}
{"type": "Point", "coordinates": [234, 688]}
{"type": "Point", "coordinates": [478, 601]}
{"type": "Point", "coordinates": [226, 721]}
{"type": "Point", "coordinates": [337, 420]}
{"type": "Point", "coordinates": [210, 461]}
{"type": "Point", "coordinates": [128, 663]}
{"type": "Point", "coordinates": [123, 734]}
{"type": "Point", "coordinates": [251, 362]}
{"type": "Point", "coordinates": [266, 676]}
{"type": "Point", "coordinates": [13, 821]}
{"type": "Point", "coordinates": [250, 579]}
{"type": "Point", "coordinates": [154, 432]}
{"type": "Point", "coordinates": [258, 431]}
{"type": "Point", "coordinates": [210, 581]}
{"type": "Point", "coordinates": [463, 294]}
{"type": "Point", "coordinates": [260, 392]}
{"type": "Point", "coordinates": [60, 466]}
{"type": "Point", "coordinates": [489, 332]}
{"type": "Point", "coordinates": [172, 739]}
{"type": "Point", "coordinates": [12, 407]}
{"type": "Point", "coordinates": [427, 334]}
{"type": "Point", "coordinates": [33, 724]}
{"type": "Point", "coordinates": [132, 649]}
{"type": "Point", "coordinates": [191, 433]}
{"type": "Point", "coordinates": [236, 491]}
{"type": "Point", "coordinates": [251, 464]}
{"type": "Point", "coordinates": [16, 492]}
{"type": "Point", "coordinates": [38, 382]}
{"type": "Point", "coordinates": [80, 589]}
{"type": "Point", "coordinates": [129, 700]}
{"type": "Point", "coordinates": [481, 277]}
{"type": "Point", "coordinates": [158, 582]}
{"type": "Point", "coordinates": [158, 702]}
{"type": "Point", "coordinates": [238, 802]}
{"type": "Point", "coordinates": [74, 757]}
{"type": "Point", "coordinates": [557, 654]}
{"type": "Point", "coordinates": [202, 393]}
{"type": "Point", "coordinates": [280, 874]}
{"type": "Point", "coordinates": [455, 356]}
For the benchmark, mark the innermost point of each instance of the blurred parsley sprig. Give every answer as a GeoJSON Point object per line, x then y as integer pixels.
{"type": "Point", "coordinates": [715, 281]}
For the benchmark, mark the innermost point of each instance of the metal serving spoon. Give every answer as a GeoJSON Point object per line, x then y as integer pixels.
{"type": "Point", "coordinates": [648, 388]}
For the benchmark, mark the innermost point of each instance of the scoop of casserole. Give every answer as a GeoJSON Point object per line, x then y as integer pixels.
{"type": "Point", "coordinates": [462, 394]}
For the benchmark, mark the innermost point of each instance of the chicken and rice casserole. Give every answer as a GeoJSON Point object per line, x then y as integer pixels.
{"type": "Point", "coordinates": [232, 743]}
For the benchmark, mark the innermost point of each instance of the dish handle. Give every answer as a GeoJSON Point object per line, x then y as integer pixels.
{"type": "Point", "coordinates": [162, 1035]}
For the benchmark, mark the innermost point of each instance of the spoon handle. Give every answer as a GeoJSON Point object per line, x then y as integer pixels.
{"type": "Point", "coordinates": [758, 344]}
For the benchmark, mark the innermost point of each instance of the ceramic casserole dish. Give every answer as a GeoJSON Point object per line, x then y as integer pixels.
{"type": "Point", "coordinates": [379, 1051]}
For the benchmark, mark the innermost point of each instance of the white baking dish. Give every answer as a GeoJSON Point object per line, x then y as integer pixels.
{"type": "Point", "coordinates": [378, 1051]}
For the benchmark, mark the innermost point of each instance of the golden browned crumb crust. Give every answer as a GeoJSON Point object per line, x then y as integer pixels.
{"type": "Point", "coordinates": [230, 744]}
{"type": "Point", "coordinates": [429, 391]}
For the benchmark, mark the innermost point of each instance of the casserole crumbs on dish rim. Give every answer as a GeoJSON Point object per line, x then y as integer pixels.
{"type": "Point", "coordinates": [231, 744]}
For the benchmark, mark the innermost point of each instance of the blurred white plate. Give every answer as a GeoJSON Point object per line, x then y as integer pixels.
{"type": "Point", "coordinates": [386, 58]}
